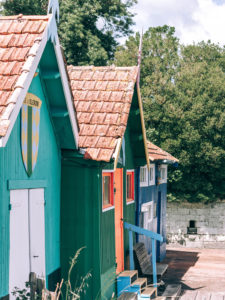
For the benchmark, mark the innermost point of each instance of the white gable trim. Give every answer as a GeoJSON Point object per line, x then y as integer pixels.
{"type": "Point", "coordinates": [25, 79]}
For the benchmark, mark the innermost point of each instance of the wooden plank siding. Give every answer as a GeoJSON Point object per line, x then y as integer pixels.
{"type": "Point", "coordinates": [80, 220]}
{"type": "Point", "coordinates": [48, 170]}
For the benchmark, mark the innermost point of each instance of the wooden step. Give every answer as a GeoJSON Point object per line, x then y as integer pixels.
{"type": "Point", "coordinates": [128, 296]}
{"type": "Point", "coordinates": [142, 282]}
{"type": "Point", "coordinates": [133, 274]}
{"type": "Point", "coordinates": [172, 291]}
{"type": "Point", "coordinates": [149, 291]}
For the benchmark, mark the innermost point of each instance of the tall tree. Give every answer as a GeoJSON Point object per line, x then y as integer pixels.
{"type": "Point", "coordinates": [159, 65]}
{"type": "Point", "coordinates": [88, 28]}
{"type": "Point", "coordinates": [183, 88]}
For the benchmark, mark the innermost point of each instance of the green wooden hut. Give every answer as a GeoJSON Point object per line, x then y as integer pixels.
{"type": "Point", "coordinates": [99, 181]}
{"type": "Point", "coordinates": [37, 120]}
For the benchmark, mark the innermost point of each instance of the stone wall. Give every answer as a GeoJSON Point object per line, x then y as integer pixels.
{"type": "Point", "coordinates": [209, 221]}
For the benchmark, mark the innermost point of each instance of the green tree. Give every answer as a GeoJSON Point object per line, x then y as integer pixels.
{"type": "Point", "coordinates": [195, 122]}
{"type": "Point", "coordinates": [183, 88]}
{"type": "Point", "coordinates": [88, 28]}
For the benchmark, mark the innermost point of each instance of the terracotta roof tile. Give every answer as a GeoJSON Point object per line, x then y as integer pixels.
{"type": "Point", "coordinates": [91, 141]}
{"type": "Point", "coordinates": [116, 96]}
{"type": "Point", "coordinates": [156, 153]}
{"type": "Point", "coordinates": [87, 129]}
{"type": "Point", "coordinates": [84, 117]}
{"type": "Point", "coordinates": [5, 39]}
{"type": "Point", "coordinates": [110, 75]}
{"type": "Point", "coordinates": [112, 119]}
{"type": "Point", "coordinates": [113, 85]}
{"type": "Point", "coordinates": [104, 95]}
{"type": "Point", "coordinates": [83, 105]}
{"type": "Point", "coordinates": [124, 119]}
{"type": "Point", "coordinates": [17, 26]}
{"type": "Point", "coordinates": [93, 95]}
{"type": "Point", "coordinates": [106, 142]}
{"type": "Point", "coordinates": [107, 92]}
{"type": "Point", "coordinates": [82, 141]}
{"type": "Point", "coordinates": [3, 98]}
{"type": "Point", "coordinates": [5, 26]}
{"type": "Point", "coordinates": [98, 118]}
{"type": "Point", "coordinates": [101, 85]}
{"type": "Point", "coordinates": [102, 130]}
{"type": "Point", "coordinates": [98, 75]}
{"type": "Point", "coordinates": [118, 107]}
{"type": "Point", "coordinates": [108, 107]}
{"type": "Point", "coordinates": [86, 75]}
{"type": "Point", "coordinates": [79, 95]}
{"type": "Point", "coordinates": [105, 154]}
{"type": "Point", "coordinates": [18, 36]}
{"type": "Point", "coordinates": [89, 85]}
{"type": "Point", "coordinates": [96, 106]}
{"type": "Point", "coordinates": [92, 153]}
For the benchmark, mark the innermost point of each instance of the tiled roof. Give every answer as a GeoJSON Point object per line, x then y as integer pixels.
{"type": "Point", "coordinates": [156, 153]}
{"type": "Point", "coordinates": [102, 98]}
{"type": "Point", "coordinates": [20, 37]}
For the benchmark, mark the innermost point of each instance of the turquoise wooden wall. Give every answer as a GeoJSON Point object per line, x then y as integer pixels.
{"type": "Point", "coordinates": [48, 169]}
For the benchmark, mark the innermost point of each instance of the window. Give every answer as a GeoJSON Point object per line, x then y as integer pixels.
{"type": "Point", "coordinates": [144, 176]}
{"type": "Point", "coordinates": [192, 227]}
{"type": "Point", "coordinates": [107, 190]}
{"type": "Point", "coordinates": [130, 186]}
{"type": "Point", "coordinates": [163, 174]}
{"type": "Point", "coordinates": [147, 209]}
{"type": "Point", "coordinates": [152, 175]}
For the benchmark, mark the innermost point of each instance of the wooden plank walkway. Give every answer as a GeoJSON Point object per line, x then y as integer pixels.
{"type": "Point", "coordinates": [194, 295]}
{"type": "Point", "coordinates": [197, 270]}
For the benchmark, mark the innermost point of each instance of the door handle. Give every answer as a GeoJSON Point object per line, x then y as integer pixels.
{"type": "Point", "coordinates": [35, 256]}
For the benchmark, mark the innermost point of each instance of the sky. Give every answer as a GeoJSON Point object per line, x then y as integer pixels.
{"type": "Point", "coordinates": [194, 20]}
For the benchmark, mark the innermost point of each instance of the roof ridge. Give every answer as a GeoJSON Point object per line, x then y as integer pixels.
{"type": "Point", "coordinates": [25, 17]}
{"type": "Point", "coordinates": [111, 67]}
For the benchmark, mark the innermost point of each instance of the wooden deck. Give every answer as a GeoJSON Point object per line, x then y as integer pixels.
{"type": "Point", "coordinates": [201, 272]}
{"type": "Point", "coordinates": [193, 295]}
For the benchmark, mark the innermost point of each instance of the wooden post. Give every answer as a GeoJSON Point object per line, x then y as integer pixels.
{"type": "Point", "coordinates": [154, 263]}
{"type": "Point", "coordinates": [131, 250]}
{"type": "Point", "coordinates": [33, 285]}
{"type": "Point", "coordinates": [40, 288]}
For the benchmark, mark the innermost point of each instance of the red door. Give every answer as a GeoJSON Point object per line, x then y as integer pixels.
{"type": "Point", "coordinates": [118, 219]}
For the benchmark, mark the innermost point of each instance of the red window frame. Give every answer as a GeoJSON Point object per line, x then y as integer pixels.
{"type": "Point", "coordinates": [111, 190]}
{"type": "Point", "coordinates": [130, 188]}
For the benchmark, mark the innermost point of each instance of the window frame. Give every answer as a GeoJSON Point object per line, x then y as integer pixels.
{"type": "Point", "coordinates": [145, 209]}
{"type": "Point", "coordinates": [111, 204]}
{"type": "Point", "coordinates": [152, 182]}
{"type": "Point", "coordinates": [164, 180]}
{"type": "Point", "coordinates": [130, 200]}
{"type": "Point", "coordinates": [144, 183]}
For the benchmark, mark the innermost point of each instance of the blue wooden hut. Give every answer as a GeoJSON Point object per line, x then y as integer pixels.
{"type": "Point", "coordinates": [37, 120]}
{"type": "Point", "coordinates": [152, 196]}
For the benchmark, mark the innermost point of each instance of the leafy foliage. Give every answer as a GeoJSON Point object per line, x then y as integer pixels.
{"type": "Point", "coordinates": [183, 88]}
{"type": "Point", "coordinates": [88, 28]}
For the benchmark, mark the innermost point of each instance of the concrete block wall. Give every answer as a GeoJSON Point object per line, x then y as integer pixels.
{"type": "Point", "coordinates": [209, 221]}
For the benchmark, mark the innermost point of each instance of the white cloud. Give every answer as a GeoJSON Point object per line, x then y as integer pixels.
{"type": "Point", "coordinates": [194, 20]}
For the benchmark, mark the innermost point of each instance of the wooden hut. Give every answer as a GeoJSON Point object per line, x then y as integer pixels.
{"type": "Point", "coordinates": [152, 196]}
{"type": "Point", "coordinates": [99, 181]}
{"type": "Point", "coordinates": [37, 120]}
